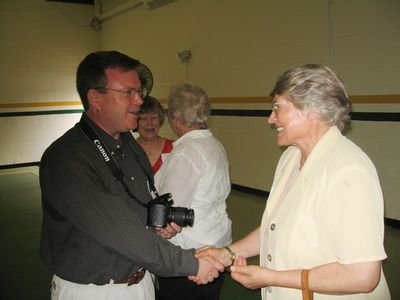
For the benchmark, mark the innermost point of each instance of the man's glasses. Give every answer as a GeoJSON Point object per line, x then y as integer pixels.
{"type": "Point", "coordinates": [129, 93]}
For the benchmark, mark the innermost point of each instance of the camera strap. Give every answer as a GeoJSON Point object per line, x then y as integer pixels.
{"type": "Point", "coordinates": [110, 161]}
{"type": "Point", "coordinates": [150, 179]}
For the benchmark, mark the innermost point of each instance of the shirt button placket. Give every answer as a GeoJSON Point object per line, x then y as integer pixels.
{"type": "Point", "coordinates": [272, 228]}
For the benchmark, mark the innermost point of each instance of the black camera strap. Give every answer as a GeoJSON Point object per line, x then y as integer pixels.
{"type": "Point", "coordinates": [149, 178]}
{"type": "Point", "coordinates": [110, 161]}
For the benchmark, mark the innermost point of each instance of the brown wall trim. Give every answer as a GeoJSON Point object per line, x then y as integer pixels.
{"type": "Point", "coordinates": [377, 99]}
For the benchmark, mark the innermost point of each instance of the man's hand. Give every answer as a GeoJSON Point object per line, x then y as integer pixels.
{"type": "Point", "coordinates": [219, 254]}
{"type": "Point", "coordinates": [168, 232]}
{"type": "Point", "coordinates": [209, 269]}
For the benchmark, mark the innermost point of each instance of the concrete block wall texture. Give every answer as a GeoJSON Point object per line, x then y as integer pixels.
{"type": "Point", "coordinates": [240, 47]}
{"type": "Point", "coordinates": [238, 50]}
{"type": "Point", "coordinates": [42, 43]}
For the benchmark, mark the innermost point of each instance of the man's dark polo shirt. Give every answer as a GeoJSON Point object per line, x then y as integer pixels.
{"type": "Point", "coordinates": [92, 231]}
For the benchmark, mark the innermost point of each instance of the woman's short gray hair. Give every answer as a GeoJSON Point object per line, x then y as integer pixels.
{"type": "Point", "coordinates": [316, 88]}
{"type": "Point", "coordinates": [189, 103]}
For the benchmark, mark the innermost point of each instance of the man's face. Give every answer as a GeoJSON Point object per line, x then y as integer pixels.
{"type": "Point", "coordinates": [118, 110]}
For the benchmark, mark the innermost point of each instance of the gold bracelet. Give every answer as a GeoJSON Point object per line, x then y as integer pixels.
{"type": "Point", "coordinates": [307, 294]}
{"type": "Point", "coordinates": [231, 254]}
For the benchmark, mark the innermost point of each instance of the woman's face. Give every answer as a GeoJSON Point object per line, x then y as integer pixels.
{"type": "Point", "coordinates": [148, 125]}
{"type": "Point", "coordinates": [292, 124]}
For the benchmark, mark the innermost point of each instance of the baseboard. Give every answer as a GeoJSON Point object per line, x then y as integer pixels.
{"type": "Point", "coordinates": [249, 190]}
{"type": "Point", "coordinates": [237, 187]}
{"type": "Point", "coordinates": [22, 165]}
{"type": "Point", "coordinates": [392, 223]}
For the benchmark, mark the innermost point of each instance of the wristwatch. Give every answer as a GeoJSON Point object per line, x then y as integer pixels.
{"type": "Point", "coordinates": [231, 254]}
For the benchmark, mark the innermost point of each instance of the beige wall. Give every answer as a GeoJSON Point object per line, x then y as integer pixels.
{"type": "Point", "coordinates": [239, 47]}
{"type": "Point", "coordinates": [238, 50]}
{"type": "Point", "coordinates": [41, 44]}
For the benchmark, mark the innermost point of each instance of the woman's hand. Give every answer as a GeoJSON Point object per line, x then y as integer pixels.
{"type": "Point", "coordinates": [251, 277]}
{"type": "Point", "coordinates": [331, 279]}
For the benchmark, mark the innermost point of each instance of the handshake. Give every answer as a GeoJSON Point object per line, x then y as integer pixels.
{"type": "Point", "coordinates": [212, 261]}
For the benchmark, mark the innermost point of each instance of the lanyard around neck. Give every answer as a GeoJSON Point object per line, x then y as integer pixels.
{"type": "Point", "coordinates": [110, 161]}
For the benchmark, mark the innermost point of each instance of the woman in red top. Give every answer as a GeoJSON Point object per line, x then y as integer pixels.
{"type": "Point", "coordinates": [151, 118]}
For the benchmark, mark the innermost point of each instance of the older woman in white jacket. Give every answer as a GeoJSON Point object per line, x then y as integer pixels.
{"type": "Point", "coordinates": [196, 173]}
{"type": "Point", "coordinates": [322, 230]}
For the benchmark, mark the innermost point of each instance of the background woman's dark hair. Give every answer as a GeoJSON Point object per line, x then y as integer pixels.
{"type": "Point", "coordinates": [152, 105]}
{"type": "Point", "coordinates": [91, 71]}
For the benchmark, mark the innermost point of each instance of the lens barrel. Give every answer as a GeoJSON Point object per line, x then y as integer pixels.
{"type": "Point", "coordinates": [181, 216]}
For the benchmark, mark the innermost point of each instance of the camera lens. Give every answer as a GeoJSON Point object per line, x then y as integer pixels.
{"type": "Point", "coordinates": [181, 216]}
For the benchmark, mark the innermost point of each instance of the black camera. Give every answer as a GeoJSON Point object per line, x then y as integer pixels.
{"type": "Point", "coordinates": [161, 212]}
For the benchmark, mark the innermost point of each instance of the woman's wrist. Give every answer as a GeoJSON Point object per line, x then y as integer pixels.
{"type": "Point", "coordinates": [230, 255]}
{"type": "Point", "coordinates": [307, 294]}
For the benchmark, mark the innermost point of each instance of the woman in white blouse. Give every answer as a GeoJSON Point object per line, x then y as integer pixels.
{"type": "Point", "coordinates": [196, 173]}
{"type": "Point", "coordinates": [322, 229]}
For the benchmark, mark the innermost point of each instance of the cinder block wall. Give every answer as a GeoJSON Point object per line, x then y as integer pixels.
{"type": "Point", "coordinates": [238, 50]}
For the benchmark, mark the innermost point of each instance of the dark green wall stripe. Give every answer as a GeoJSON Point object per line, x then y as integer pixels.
{"type": "Point", "coordinates": [376, 116]}
{"type": "Point", "coordinates": [357, 116]}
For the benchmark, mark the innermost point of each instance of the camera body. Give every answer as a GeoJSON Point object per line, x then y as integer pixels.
{"type": "Point", "coordinates": [161, 212]}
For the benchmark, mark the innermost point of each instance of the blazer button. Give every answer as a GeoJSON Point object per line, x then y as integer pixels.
{"type": "Point", "coordinates": [272, 226]}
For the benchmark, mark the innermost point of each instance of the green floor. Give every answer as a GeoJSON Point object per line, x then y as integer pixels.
{"type": "Point", "coordinates": [23, 276]}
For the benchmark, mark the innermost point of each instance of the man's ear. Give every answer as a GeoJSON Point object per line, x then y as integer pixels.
{"type": "Point", "coordinates": [93, 98]}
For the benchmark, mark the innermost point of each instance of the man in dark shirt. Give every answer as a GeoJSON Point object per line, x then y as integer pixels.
{"type": "Point", "coordinates": [94, 235]}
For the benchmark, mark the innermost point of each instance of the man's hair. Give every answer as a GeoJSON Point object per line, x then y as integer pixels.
{"type": "Point", "coordinates": [91, 71]}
